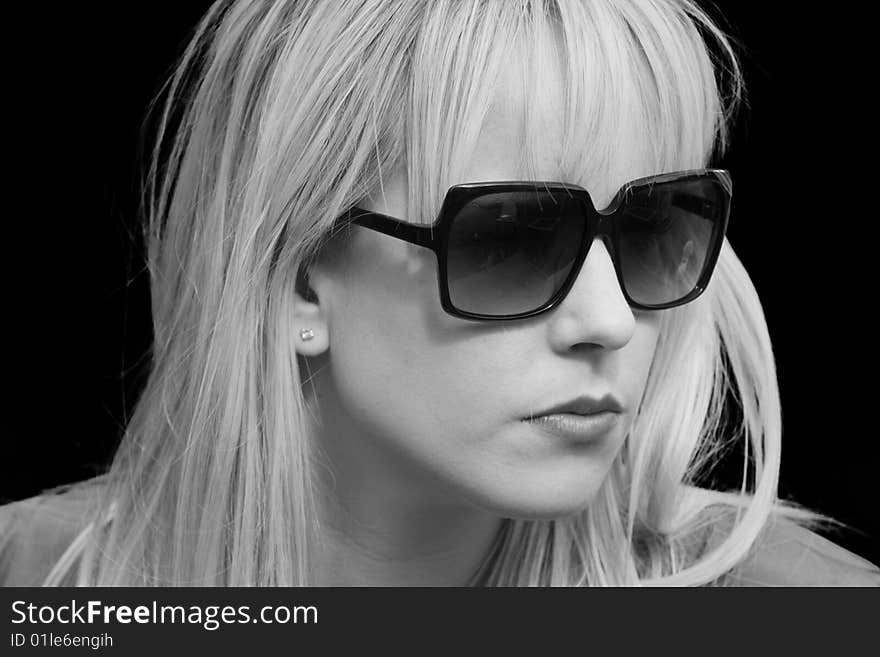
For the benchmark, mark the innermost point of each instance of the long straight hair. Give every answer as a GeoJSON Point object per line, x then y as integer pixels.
{"type": "Point", "coordinates": [281, 115]}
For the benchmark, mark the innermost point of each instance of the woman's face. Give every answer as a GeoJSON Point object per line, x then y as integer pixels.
{"type": "Point", "coordinates": [425, 407]}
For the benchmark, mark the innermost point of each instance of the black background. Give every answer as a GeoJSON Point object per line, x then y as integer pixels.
{"type": "Point", "coordinates": [80, 79]}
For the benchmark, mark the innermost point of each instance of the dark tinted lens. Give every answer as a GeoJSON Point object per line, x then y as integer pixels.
{"type": "Point", "coordinates": [664, 234]}
{"type": "Point", "coordinates": [509, 252]}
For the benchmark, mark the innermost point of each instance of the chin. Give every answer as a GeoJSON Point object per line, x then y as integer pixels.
{"type": "Point", "coordinates": [543, 480]}
{"type": "Point", "coordinates": [530, 500]}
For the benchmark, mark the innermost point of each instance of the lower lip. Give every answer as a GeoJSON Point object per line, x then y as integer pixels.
{"type": "Point", "coordinates": [571, 426]}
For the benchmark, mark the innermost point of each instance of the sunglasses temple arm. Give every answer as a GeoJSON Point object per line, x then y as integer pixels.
{"type": "Point", "coordinates": [426, 236]}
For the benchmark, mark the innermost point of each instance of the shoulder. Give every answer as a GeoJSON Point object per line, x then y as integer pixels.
{"type": "Point", "coordinates": [787, 554]}
{"type": "Point", "coordinates": [35, 533]}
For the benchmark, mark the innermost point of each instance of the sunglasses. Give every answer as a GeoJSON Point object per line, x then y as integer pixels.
{"type": "Point", "coordinates": [511, 250]}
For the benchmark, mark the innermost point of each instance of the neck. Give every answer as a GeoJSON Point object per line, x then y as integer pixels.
{"type": "Point", "coordinates": [403, 547]}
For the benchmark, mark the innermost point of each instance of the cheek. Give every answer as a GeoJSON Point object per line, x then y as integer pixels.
{"type": "Point", "coordinates": [417, 409]}
{"type": "Point", "coordinates": [393, 351]}
{"type": "Point", "coordinates": [389, 368]}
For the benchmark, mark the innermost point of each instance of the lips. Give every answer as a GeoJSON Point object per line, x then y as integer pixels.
{"type": "Point", "coordinates": [583, 405]}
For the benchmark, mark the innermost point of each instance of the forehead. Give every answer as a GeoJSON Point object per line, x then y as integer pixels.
{"type": "Point", "coordinates": [524, 136]}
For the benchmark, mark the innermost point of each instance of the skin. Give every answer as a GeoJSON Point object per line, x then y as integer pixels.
{"type": "Point", "coordinates": [419, 414]}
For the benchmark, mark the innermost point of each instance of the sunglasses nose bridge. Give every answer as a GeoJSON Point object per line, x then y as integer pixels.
{"type": "Point", "coordinates": [601, 226]}
{"type": "Point", "coordinates": [596, 224]}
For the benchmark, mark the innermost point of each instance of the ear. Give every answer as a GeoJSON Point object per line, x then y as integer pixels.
{"type": "Point", "coordinates": [309, 323]}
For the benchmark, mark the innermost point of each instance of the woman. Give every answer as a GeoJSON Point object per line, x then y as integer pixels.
{"type": "Point", "coordinates": [523, 393]}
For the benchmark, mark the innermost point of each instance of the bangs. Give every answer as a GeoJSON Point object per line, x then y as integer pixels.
{"type": "Point", "coordinates": [638, 92]}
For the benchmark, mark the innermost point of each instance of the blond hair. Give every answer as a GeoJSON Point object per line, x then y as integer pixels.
{"type": "Point", "coordinates": [283, 114]}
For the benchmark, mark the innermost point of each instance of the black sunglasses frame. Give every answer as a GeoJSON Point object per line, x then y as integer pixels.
{"type": "Point", "coordinates": [599, 224]}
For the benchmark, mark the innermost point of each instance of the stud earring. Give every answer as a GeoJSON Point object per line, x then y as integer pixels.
{"type": "Point", "coordinates": [306, 334]}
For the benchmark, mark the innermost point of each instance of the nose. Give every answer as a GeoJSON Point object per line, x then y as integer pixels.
{"type": "Point", "coordinates": [594, 311]}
